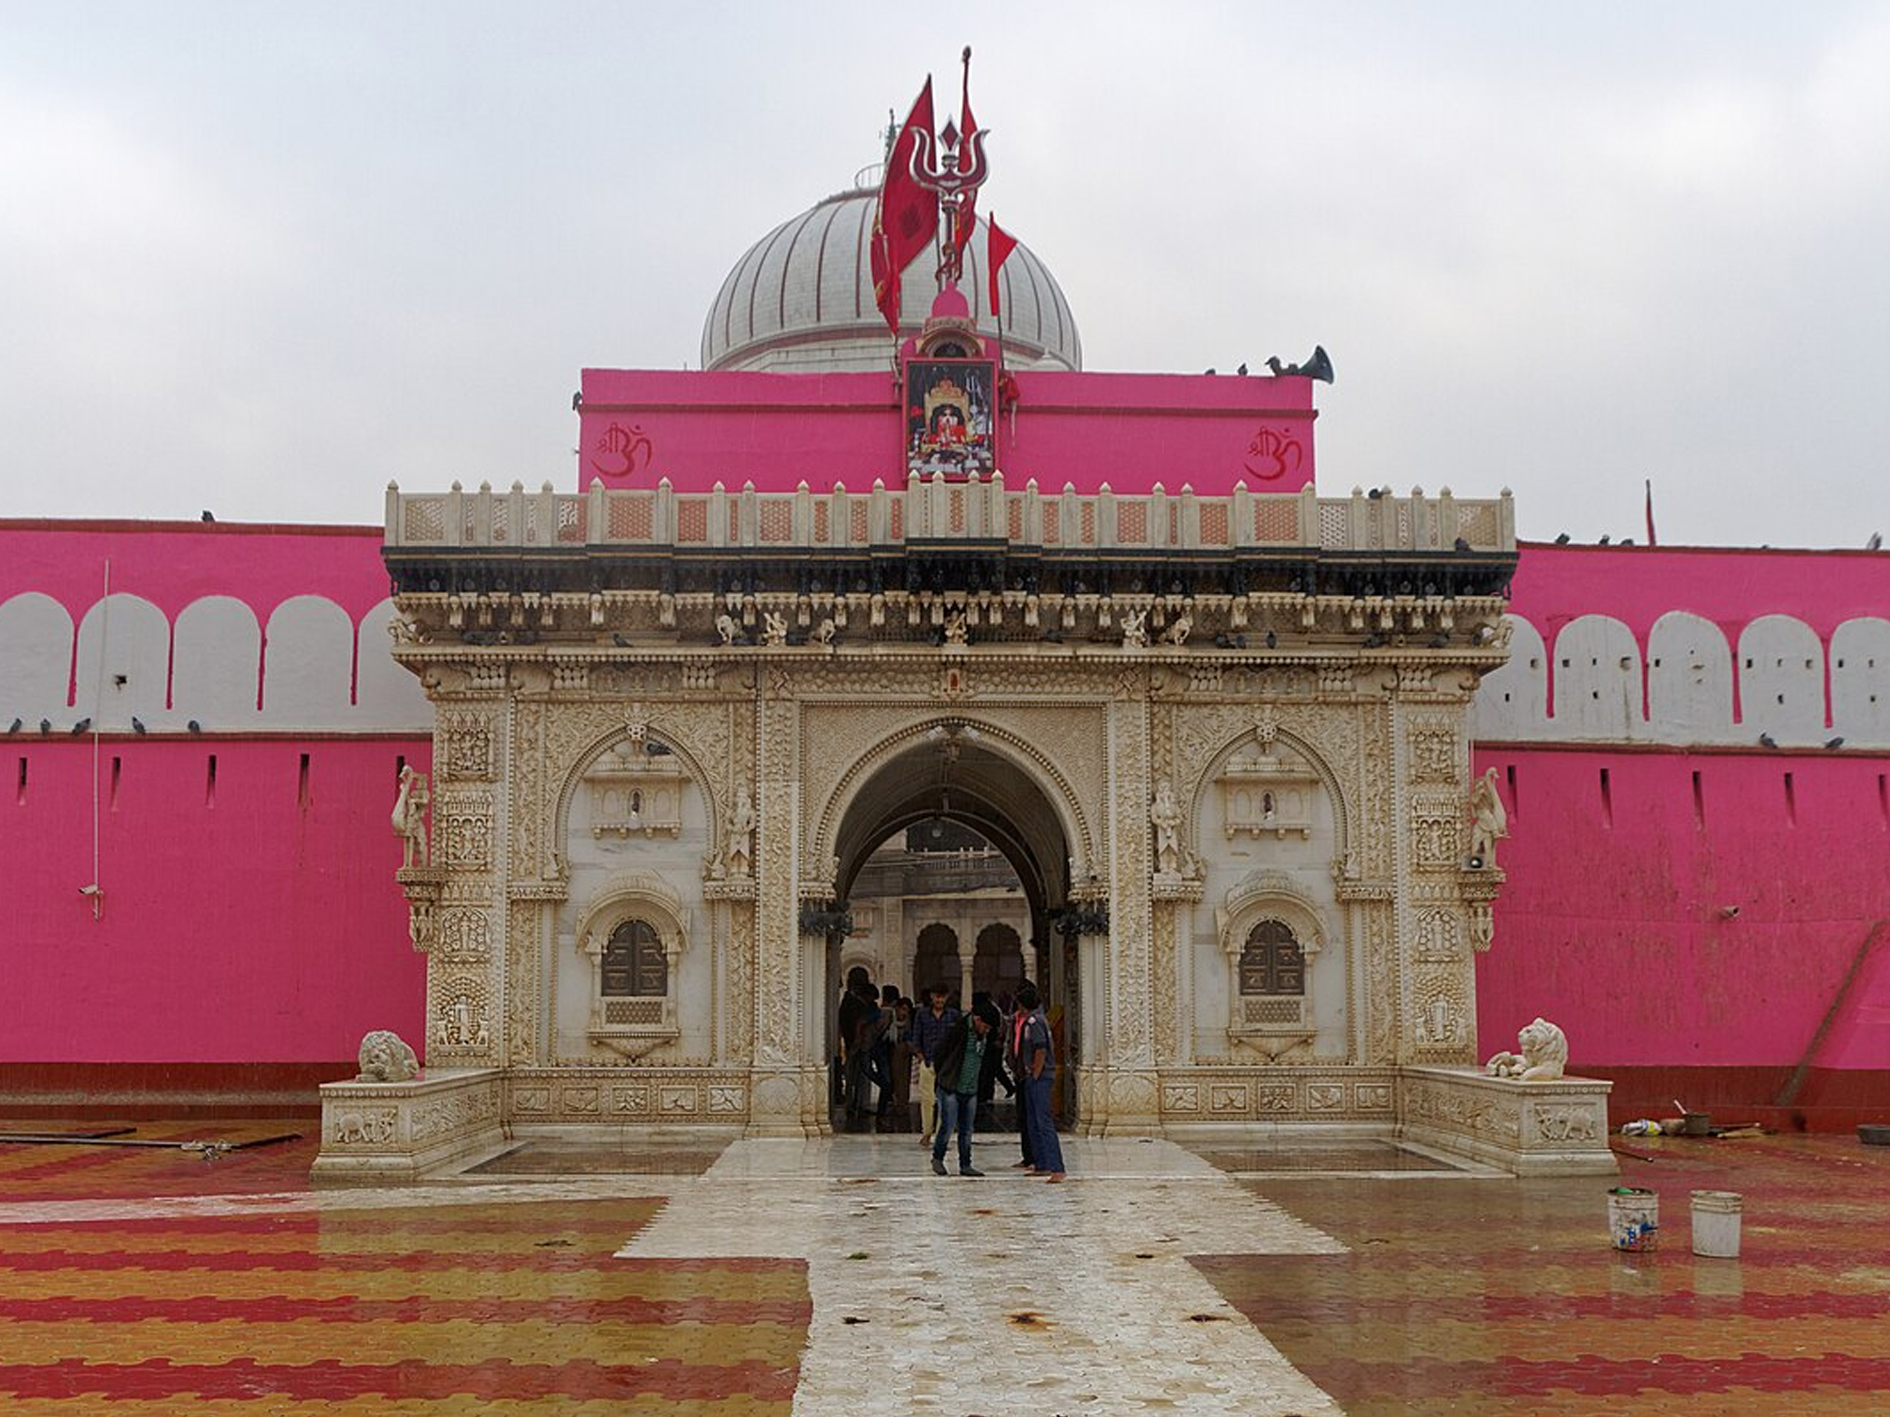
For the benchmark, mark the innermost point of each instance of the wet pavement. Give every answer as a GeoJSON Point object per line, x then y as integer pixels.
{"type": "Point", "coordinates": [695, 1280]}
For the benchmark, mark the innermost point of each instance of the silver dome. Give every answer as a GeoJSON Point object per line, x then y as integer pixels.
{"type": "Point", "coordinates": [801, 300]}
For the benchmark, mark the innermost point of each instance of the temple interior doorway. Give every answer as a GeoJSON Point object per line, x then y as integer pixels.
{"type": "Point", "coordinates": [953, 870]}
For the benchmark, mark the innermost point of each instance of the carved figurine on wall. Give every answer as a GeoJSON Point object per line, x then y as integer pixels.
{"type": "Point", "coordinates": [1178, 630]}
{"type": "Point", "coordinates": [741, 832]}
{"type": "Point", "coordinates": [725, 628]}
{"type": "Point", "coordinates": [1165, 813]}
{"type": "Point", "coordinates": [774, 630]}
{"type": "Point", "coordinates": [1134, 629]}
{"type": "Point", "coordinates": [1489, 823]}
{"type": "Point", "coordinates": [410, 818]}
{"type": "Point", "coordinates": [1544, 1054]}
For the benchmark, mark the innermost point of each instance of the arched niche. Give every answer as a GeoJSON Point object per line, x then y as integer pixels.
{"type": "Point", "coordinates": [1265, 916]}
{"type": "Point", "coordinates": [632, 829]}
{"type": "Point", "coordinates": [1860, 682]}
{"type": "Point", "coordinates": [1689, 680]}
{"type": "Point", "coordinates": [937, 958]}
{"type": "Point", "coordinates": [386, 695]}
{"type": "Point", "coordinates": [634, 930]}
{"type": "Point", "coordinates": [1511, 703]}
{"type": "Point", "coordinates": [308, 665]}
{"type": "Point", "coordinates": [124, 663]}
{"type": "Point", "coordinates": [216, 663]}
{"type": "Point", "coordinates": [1250, 863]}
{"type": "Point", "coordinates": [1598, 684]}
{"type": "Point", "coordinates": [1781, 680]}
{"type": "Point", "coordinates": [35, 659]}
{"type": "Point", "coordinates": [998, 960]}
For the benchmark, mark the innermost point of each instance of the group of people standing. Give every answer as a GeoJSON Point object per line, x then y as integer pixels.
{"type": "Point", "coordinates": [953, 1059]}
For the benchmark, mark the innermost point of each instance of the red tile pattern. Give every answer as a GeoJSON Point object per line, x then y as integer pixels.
{"type": "Point", "coordinates": [1478, 1296]}
{"type": "Point", "coordinates": [507, 1307]}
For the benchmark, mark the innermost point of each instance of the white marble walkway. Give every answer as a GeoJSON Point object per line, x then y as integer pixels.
{"type": "Point", "coordinates": [1003, 1297]}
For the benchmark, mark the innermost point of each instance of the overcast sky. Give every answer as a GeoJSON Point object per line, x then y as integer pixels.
{"type": "Point", "coordinates": [263, 258]}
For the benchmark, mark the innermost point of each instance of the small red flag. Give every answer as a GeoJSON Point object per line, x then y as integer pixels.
{"type": "Point", "coordinates": [998, 247]}
{"type": "Point", "coordinates": [1650, 513]}
{"type": "Point", "coordinates": [907, 218]}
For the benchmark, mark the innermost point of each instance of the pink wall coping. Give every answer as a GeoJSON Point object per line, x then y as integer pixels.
{"type": "Point", "coordinates": [171, 564]}
{"type": "Point", "coordinates": [1731, 586]}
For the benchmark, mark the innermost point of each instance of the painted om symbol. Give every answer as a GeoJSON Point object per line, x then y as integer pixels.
{"type": "Point", "coordinates": [1277, 453]}
{"type": "Point", "coordinates": [622, 451]}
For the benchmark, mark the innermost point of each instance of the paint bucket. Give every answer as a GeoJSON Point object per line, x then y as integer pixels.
{"type": "Point", "coordinates": [1697, 1124]}
{"type": "Point", "coordinates": [1716, 1224]}
{"type": "Point", "coordinates": [1633, 1218]}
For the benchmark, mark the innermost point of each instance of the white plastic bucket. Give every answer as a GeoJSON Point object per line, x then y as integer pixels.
{"type": "Point", "coordinates": [1716, 1224]}
{"type": "Point", "coordinates": [1633, 1218]}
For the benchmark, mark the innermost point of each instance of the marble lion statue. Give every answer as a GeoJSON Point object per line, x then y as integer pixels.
{"type": "Point", "coordinates": [384, 1058]}
{"type": "Point", "coordinates": [1544, 1054]}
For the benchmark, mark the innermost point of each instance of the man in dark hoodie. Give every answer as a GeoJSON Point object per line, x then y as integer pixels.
{"type": "Point", "coordinates": [960, 1063]}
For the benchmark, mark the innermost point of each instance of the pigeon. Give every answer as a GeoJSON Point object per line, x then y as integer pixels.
{"type": "Point", "coordinates": [1441, 639]}
{"type": "Point", "coordinates": [17, 724]}
{"type": "Point", "coordinates": [137, 724]}
{"type": "Point", "coordinates": [208, 515]}
{"type": "Point", "coordinates": [1837, 742]}
{"type": "Point", "coordinates": [1462, 545]}
{"type": "Point", "coordinates": [81, 726]}
{"type": "Point", "coordinates": [1273, 640]}
{"type": "Point", "coordinates": [1562, 540]}
{"type": "Point", "coordinates": [1766, 740]}
{"type": "Point", "coordinates": [45, 725]}
{"type": "Point", "coordinates": [1242, 370]}
{"type": "Point", "coordinates": [194, 726]}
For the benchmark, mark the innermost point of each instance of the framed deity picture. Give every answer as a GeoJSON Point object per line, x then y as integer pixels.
{"type": "Point", "coordinates": [950, 422]}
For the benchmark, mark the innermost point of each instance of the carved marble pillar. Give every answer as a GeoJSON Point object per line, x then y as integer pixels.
{"type": "Point", "coordinates": [776, 1106]}
{"type": "Point", "coordinates": [1431, 739]}
{"type": "Point", "coordinates": [1129, 1100]}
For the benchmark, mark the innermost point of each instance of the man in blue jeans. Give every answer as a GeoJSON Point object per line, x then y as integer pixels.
{"type": "Point", "coordinates": [960, 1061]}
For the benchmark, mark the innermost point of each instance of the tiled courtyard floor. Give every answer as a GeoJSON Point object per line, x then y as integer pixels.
{"type": "Point", "coordinates": [137, 1281]}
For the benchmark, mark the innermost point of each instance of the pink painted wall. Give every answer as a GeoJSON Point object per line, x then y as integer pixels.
{"type": "Point", "coordinates": [1612, 921]}
{"type": "Point", "coordinates": [1129, 430]}
{"type": "Point", "coordinates": [265, 926]}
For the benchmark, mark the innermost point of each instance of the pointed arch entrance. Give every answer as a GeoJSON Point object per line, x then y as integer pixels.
{"type": "Point", "coordinates": [955, 771]}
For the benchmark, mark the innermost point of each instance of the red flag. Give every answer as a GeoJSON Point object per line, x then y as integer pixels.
{"type": "Point", "coordinates": [1650, 513]}
{"type": "Point", "coordinates": [968, 210]}
{"type": "Point", "coordinates": [907, 218]}
{"type": "Point", "coordinates": [998, 247]}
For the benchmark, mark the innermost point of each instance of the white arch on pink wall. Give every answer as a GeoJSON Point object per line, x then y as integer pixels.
{"type": "Point", "coordinates": [123, 668]}
{"type": "Point", "coordinates": [1511, 704]}
{"type": "Point", "coordinates": [1860, 682]}
{"type": "Point", "coordinates": [1781, 680]}
{"type": "Point", "coordinates": [1689, 680]}
{"type": "Point", "coordinates": [387, 696]}
{"type": "Point", "coordinates": [1598, 684]}
{"type": "Point", "coordinates": [308, 665]}
{"type": "Point", "coordinates": [35, 659]}
{"type": "Point", "coordinates": [216, 664]}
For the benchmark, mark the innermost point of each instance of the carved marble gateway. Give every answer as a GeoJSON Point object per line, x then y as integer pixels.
{"type": "Point", "coordinates": [671, 728]}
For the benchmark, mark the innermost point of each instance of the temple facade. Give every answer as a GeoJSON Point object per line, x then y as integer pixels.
{"type": "Point", "coordinates": [1222, 741]}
